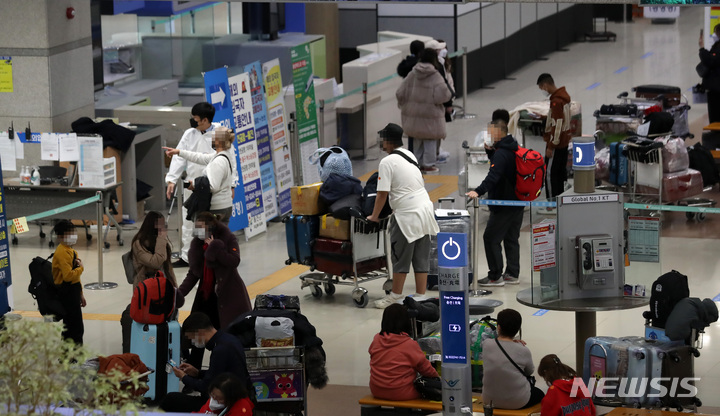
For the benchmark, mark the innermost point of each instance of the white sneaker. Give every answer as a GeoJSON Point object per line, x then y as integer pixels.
{"type": "Point", "coordinates": [443, 154]}
{"type": "Point", "coordinates": [418, 297]}
{"type": "Point", "coordinates": [388, 300]}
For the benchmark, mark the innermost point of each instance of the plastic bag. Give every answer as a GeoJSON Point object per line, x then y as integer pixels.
{"type": "Point", "coordinates": [274, 332]}
{"type": "Point", "coordinates": [602, 164]}
{"type": "Point", "coordinates": [331, 160]}
{"type": "Point", "coordinates": [674, 154]}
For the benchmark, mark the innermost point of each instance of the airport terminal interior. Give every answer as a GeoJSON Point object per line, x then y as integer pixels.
{"type": "Point", "coordinates": [594, 73]}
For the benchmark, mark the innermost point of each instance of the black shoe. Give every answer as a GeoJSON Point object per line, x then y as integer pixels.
{"type": "Point", "coordinates": [180, 263]}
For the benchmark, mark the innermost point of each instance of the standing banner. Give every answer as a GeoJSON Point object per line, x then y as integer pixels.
{"type": "Point", "coordinates": [247, 152]}
{"type": "Point", "coordinates": [262, 134]}
{"type": "Point", "coordinates": [278, 130]}
{"type": "Point", "coordinates": [307, 124]}
{"type": "Point", "coordinates": [5, 275]}
{"type": "Point", "coordinates": [218, 93]}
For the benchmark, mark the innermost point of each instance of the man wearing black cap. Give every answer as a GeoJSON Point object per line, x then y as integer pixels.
{"type": "Point", "coordinates": [400, 181]}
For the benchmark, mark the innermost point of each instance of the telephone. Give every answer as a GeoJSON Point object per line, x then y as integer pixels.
{"type": "Point", "coordinates": [596, 261]}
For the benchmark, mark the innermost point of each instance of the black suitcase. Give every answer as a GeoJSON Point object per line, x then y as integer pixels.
{"type": "Point", "coordinates": [671, 95]}
{"type": "Point", "coordinates": [711, 139]}
{"type": "Point", "coordinates": [265, 302]}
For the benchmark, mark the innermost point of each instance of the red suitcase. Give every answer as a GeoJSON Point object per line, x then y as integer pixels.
{"type": "Point", "coordinates": [335, 257]}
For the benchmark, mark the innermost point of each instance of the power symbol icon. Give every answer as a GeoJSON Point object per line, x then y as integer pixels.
{"type": "Point", "coordinates": [451, 243]}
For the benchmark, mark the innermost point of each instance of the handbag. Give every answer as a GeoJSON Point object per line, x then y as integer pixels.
{"type": "Point", "coordinates": [702, 70]}
{"type": "Point", "coordinates": [128, 266]}
{"type": "Point", "coordinates": [430, 388]}
{"type": "Point", "coordinates": [530, 379]}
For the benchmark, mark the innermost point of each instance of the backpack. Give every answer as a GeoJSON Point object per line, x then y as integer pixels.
{"type": "Point", "coordinates": [338, 186]}
{"type": "Point", "coordinates": [42, 287]}
{"type": "Point", "coordinates": [369, 194]}
{"type": "Point", "coordinates": [667, 291]}
{"type": "Point", "coordinates": [530, 176]}
{"type": "Point", "coordinates": [702, 160]}
{"type": "Point", "coordinates": [153, 300]}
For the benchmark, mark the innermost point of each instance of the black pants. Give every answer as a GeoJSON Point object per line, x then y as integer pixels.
{"type": "Point", "coordinates": [210, 308]}
{"type": "Point", "coordinates": [503, 227]}
{"type": "Point", "coordinates": [71, 296]}
{"type": "Point", "coordinates": [713, 104]}
{"type": "Point", "coordinates": [536, 396]}
{"type": "Point", "coordinates": [182, 403]}
{"type": "Point", "coordinates": [556, 170]}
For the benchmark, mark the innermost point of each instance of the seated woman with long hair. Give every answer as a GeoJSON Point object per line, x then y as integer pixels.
{"type": "Point", "coordinates": [228, 397]}
{"type": "Point", "coordinates": [396, 358]}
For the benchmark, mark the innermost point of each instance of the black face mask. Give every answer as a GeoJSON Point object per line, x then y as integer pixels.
{"type": "Point", "coordinates": [193, 123]}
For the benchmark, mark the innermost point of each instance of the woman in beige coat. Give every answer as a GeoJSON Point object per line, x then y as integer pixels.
{"type": "Point", "coordinates": [420, 99]}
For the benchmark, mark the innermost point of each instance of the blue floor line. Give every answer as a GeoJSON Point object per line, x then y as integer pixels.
{"type": "Point", "coordinates": [621, 70]}
{"type": "Point", "coordinates": [593, 86]}
{"type": "Point", "coordinates": [646, 55]}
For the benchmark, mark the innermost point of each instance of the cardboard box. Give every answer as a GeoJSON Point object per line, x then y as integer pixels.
{"type": "Point", "coordinates": [305, 200]}
{"type": "Point", "coordinates": [331, 227]}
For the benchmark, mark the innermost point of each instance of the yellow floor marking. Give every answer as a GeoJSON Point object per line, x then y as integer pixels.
{"type": "Point", "coordinates": [448, 185]}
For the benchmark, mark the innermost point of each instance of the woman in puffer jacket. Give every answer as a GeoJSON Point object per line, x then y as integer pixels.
{"type": "Point", "coordinates": [420, 99]}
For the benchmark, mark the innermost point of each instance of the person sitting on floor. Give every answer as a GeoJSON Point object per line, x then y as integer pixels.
{"type": "Point", "coordinates": [228, 397]}
{"type": "Point", "coordinates": [508, 367]}
{"type": "Point", "coordinates": [395, 358]}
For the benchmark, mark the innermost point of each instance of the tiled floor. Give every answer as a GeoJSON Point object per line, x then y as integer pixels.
{"type": "Point", "coordinates": [664, 54]}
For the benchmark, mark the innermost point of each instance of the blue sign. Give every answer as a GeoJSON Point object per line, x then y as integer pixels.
{"type": "Point", "coordinates": [217, 93]}
{"type": "Point", "coordinates": [5, 275]}
{"type": "Point", "coordinates": [452, 250]}
{"type": "Point", "coordinates": [454, 327]}
{"type": "Point", "coordinates": [583, 154]}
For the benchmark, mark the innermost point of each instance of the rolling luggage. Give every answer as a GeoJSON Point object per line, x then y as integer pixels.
{"type": "Point", "coordinates": [618, 164]}
{"type": "Point", "coordinates": [335, 257]}
{"type": "Point", "coordinates": [676, 185]}
{"type": "Point", "coordinates": [449, 221]}
{"type": "Point", "coordinates": [157, 345]}
{"type": "Point", "coordinates": [300, 232]}
{"type": "Point", "coordinates": [671, 95]}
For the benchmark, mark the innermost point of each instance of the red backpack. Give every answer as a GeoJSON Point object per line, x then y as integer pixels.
{"type": "Point", "coordinates": [530, 167]}
{"type": "Point", "coordinates": [153, 300]}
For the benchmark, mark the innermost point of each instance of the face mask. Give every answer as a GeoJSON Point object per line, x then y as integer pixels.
{"type": "Point", "coordinates": [443, 53]}
{"type": "Point", "coordinates": [214, 405]}
{"type": "Point", "coordinates": [71, 240]}
{"type": "Point", "coordinates": [545, 94]}
{"type": "Point", "coordinates": [197, 343]}
{"type": "Point", "coordinates": [199, 233]}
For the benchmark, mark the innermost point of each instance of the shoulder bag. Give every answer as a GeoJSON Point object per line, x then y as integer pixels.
{"type": "Point", "coordinates": [530, 379]}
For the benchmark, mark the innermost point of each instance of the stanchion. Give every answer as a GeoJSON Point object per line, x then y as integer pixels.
{"type": "Point", "coordinates": [321, 122]}
{"type": "Point", "coordinates": [100, 284]}
{"type": "Point", "coordinates": [478, 304]}
{"type": "Point", "coordinates": [463, 112]}
{"type": "Point", "coordinates": [365, 115]}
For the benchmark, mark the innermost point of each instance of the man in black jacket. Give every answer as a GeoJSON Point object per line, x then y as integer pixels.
{"type": "Point", "coordinates": [503, 226]}
{"type": "Point", "coordinates": [407, 64]}
{"type": "Point", "coordinates": [227, 356]}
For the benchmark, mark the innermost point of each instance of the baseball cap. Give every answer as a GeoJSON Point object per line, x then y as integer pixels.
{"type": "Point", "coordinates": [435, 45]}
{"type": "Point", "coordinates": [392, 133]}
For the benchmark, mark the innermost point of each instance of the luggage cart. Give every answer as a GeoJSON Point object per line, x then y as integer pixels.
{"type": "Point", "coordinates": [278, 376]}
{"type": "Point", "coordinates": [474, 168]}
{"type": "Point", "coordinates": [368, 241]}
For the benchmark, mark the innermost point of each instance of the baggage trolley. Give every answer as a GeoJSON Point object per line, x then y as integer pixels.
{"type": "Point", "coordinates": [278, 376]}
{"type": "Point", "coordinates": [367, 242]}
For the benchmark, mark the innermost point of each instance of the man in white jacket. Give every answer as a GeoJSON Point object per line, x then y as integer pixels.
{"type": "Point", "coordinates": [400, 181]}
{"type": "Point", "coordinates": [198, 138]}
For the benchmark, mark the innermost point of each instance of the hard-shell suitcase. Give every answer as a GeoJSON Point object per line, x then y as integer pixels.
{"type": "Point", "coordinates": [671, 94]}
{"type": "Point", "coordinates": [277, 302]}
{"type": "Point", "coordinates": [618, 164]}
{"type": "Point", "coordinates": [300, 233]}
{"type": "Point", "coordinates": [449, 221]}
{"type": "Point", "coordinates": [157, 345]}
{"type": "Point", "coordinates": [335, 257]}
{"type": "Point", "coordinates": [614, 359]}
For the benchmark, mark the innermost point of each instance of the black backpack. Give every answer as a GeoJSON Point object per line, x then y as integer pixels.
{"type": "Point", "coordinates": [667, 291]}
{"type": "Point", "coordinates": [369, 194]}
{"type": "Point", "coordinates": [42, 288]}
{"type": "Point", "coordinates": [702, 160]}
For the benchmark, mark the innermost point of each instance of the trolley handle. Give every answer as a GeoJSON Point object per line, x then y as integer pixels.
{"type": "Point", "coordinates": [449, 199]}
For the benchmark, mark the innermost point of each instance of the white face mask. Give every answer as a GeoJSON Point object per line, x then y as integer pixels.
{"type": "Point", "coordinates": [199, 233]}
{"type": "Point", "coordinates": [545, 94]}
{"type": "Point", "coordinates": [443, 53]}
{"type": "Point", "coordinates": [71, 240]}
{"type": "Point", "coordinates": [197, 343]}
{"type": "Point", "coordinates": [214, 405]}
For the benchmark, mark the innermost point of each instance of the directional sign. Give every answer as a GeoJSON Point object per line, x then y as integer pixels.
{"type": "Point", "coordinates": [217, 92]}
{"type": "Point", "coordinates": [452, 250]}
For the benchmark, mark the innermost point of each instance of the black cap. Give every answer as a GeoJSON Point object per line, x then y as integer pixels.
{"type": "Point", "coordinates": [392, 133]}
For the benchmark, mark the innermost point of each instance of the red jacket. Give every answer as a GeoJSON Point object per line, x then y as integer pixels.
{"type": "Point", "coordinates": [557, 401]}
{"type": "Point", "coordinates": [243, 407]}
{"type": "Point", "coordinates": [394, 360]}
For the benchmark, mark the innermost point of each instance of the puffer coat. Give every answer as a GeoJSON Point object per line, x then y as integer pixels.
{"type": "Point", "coordinates": [420, 99]}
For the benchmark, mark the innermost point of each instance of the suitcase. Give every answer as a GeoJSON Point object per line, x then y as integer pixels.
{"type": "Point", "coordinates": [156, 345]}
{"type": "Point", "coordinates": [711, 140]}
{"type": "Point", "coordinates": [666, 360]}
{"type": "Point", "coordinates": [265, 302]}
{"type": "Point", "coordinates": [677, 185]}
{"type": "Point", "coordinates": [614, 358]}
{"type": "Point", "coordinates": [670, 94]}
{"type": "Point", "coordinates": [449, 221]}
{"type": "Point", "coordinates": [618, 164]}
{"type": "Point", "coordinates": [337, 265]}
{"type": "Point", "coordinates": [300, 233]}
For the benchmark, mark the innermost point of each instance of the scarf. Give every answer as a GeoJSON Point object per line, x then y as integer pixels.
{"type": "Point", "coordinates": [208, 281]}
